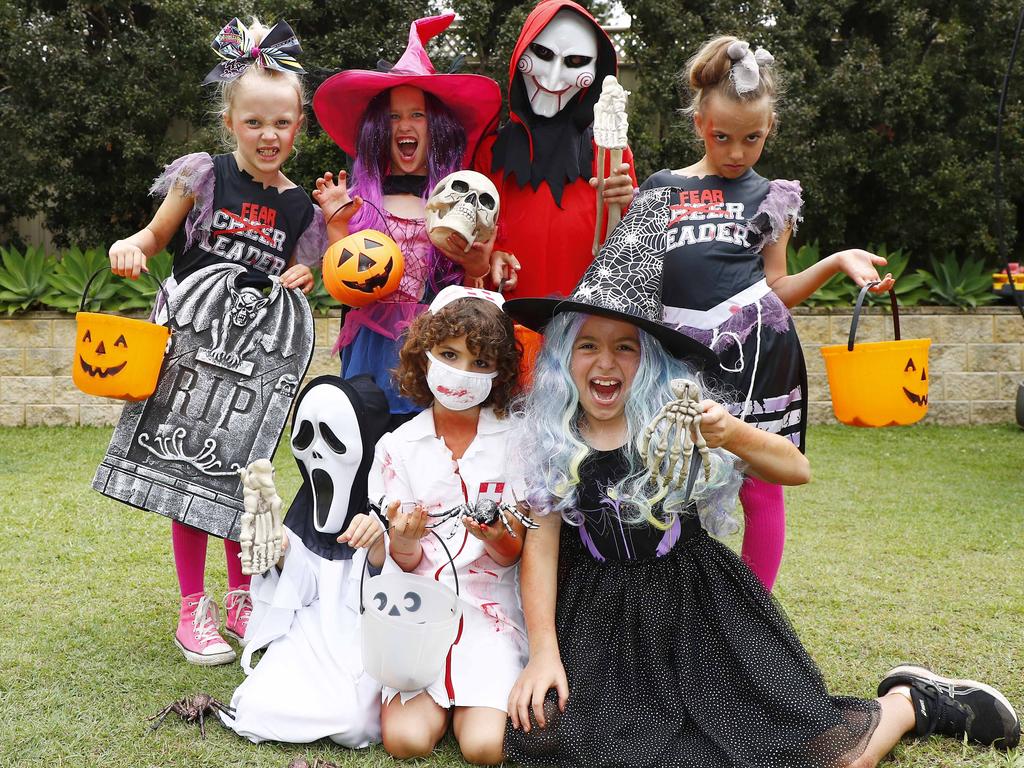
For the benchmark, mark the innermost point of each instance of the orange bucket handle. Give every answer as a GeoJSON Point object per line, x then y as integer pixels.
{"type": "Point", "coordinates": [856, 313]}
{"type": "Point", "coordinates": [159, 285]}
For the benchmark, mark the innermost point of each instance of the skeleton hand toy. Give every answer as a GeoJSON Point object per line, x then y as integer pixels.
{"type": "Point", "coordinates": [681, 421]}
{"type": "Point", "coordinates": [262, 534]}
{"type": "Point", "coordinates": [610, 126]}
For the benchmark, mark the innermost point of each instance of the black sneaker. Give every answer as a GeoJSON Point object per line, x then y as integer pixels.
{"type": "Point", "coordinates": [956, 707]}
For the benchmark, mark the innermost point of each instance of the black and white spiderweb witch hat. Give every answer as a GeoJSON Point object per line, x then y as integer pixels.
{"type": "Point", "coordinates": [624, 281]}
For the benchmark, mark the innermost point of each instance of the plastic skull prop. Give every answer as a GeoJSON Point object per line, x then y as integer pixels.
{"type": "Point", "coordinates": [328, 444]}
{"type": "Point", "coordinates": [465, 202]}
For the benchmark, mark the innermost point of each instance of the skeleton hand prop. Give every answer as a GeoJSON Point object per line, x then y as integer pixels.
{"type": "Point", "coordinates": [262, 534]}
{"type": "Point", "coordinates": [610, 126]}
{"type": "Point", "coordinates": [677, 425]}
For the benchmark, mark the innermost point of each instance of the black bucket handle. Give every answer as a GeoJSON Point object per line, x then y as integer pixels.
{"type": "Point", "coordinates": [856, 313]}
{"type": "Point", "coordinates": [366, 564]}
{"type": "Point", "coordinates": [88, 285]}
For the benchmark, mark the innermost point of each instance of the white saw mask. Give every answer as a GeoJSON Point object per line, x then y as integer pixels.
{"type": "Point", "coordinates": [559, 63]}
{"type": "Point", "coordinates": [328, 444]}
{"type": "Point", "coordinates": [465, 202]}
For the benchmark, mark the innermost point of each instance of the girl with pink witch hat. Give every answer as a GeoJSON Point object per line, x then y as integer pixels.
{"type": "Point", "coordinates": [406, 128]}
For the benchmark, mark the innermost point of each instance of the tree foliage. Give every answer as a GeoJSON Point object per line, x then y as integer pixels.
{"type": "Point", "coordinates": [95, 97]}
{"type": "Point", "coordinates": [888, 119]}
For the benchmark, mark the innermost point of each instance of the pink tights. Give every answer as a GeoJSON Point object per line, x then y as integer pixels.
{"type": "Point", "coordinates": [764, 531]}
{"type": "Point", "coordinates": [190, 559]}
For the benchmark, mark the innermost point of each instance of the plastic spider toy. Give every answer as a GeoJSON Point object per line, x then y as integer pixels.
{"type": "Point", "coordinates": [192, 708]}
{"type": "Point", "coordinates": [485, 512]}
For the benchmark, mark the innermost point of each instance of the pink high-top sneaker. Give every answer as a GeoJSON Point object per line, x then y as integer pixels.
{"type": "Point", "coordinates": [238, 607]}
{"type": "Point", "coordinates": [197, 636]}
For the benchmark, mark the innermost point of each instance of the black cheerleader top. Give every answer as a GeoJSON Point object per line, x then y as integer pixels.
{"type": "Point", "coordinates": [237, 220]}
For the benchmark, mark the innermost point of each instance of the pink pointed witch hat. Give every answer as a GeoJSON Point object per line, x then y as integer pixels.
{"type": "Point", "coordinates": [340, 102]}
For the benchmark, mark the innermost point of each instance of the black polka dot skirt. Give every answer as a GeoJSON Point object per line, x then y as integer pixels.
{"type": "Point", "coordinates": [685, 660]}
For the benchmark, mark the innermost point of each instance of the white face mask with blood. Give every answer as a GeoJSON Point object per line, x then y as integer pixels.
{"type": "Point", "coordinates": [454, 389]}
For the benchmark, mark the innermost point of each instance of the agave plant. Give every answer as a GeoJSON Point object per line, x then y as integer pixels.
{"type": "Point", "coordinates": [840, 290]}
{"type": "Point", "coordinates": [24, 278]}
{"type": "Point", "coordinates": [910, 288]}
{"type": "Point", "coordinates": [71, 277]}
{"type": "Point", "coordinates": [959, 282]}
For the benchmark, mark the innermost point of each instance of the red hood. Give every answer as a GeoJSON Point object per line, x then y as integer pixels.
{"type": "Point", "coordinates": [607, 63]}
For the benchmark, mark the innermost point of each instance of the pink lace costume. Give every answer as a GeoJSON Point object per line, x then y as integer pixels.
{"type": "Point", "coordinates": [371, 336]}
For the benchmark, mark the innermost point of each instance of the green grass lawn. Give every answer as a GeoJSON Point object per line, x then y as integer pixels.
{"type": "Point", "coordinates": [907, 546]}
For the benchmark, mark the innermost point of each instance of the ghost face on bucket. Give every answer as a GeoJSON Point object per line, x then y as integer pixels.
{"type": "Point", "coordinates": [328, 444]}
{"type": "Point", "coordinates": [559, 63]}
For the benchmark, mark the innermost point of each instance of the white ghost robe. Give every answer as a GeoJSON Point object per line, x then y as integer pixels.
{"type": "Point", "coordinates": [490, 650]}
{"type": "Point", "coordinates": [310, 682]}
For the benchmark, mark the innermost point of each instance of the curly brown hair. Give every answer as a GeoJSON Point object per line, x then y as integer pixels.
{"type": "Point", "coordinates": [489, 333]}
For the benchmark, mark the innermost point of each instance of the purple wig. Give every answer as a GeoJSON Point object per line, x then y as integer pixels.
{"type": "Point", "coordinates": [373, 160]}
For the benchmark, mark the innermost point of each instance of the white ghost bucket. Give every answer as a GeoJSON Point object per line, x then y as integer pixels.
{"type": "Point", "coordinates": [409, 623]}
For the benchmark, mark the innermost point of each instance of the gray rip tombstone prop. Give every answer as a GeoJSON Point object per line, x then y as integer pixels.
{"type": "Point", "coordinates": [226, 387]}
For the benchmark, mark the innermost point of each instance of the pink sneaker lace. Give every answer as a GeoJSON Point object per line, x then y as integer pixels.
{"type": "Point", "coordinates": [238, 605]}
{"type": "Point", "coordinates": [205, 621]}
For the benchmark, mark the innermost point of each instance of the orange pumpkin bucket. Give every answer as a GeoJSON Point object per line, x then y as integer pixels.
{"type": "Point", "coordinates": [878, 384]}
{"type": "Point", "coordinates": [117, 356]}
{"type": "Point", "coordinates": [362, 268]}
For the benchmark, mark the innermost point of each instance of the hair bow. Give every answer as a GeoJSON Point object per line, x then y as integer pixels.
{"type": "Point", "coordinates": [746, 65]}
{"type": "Point", "coordinates": [236, 45]}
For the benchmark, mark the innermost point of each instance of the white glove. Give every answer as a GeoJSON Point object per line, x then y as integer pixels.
{"type": "Point", "coordinates": [262, 532]}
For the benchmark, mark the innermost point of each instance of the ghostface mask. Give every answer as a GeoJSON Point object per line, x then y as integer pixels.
{"type": "Point", "coordinates": [326, 441]}
{"type": "Point", "coordinates": [559, 63]}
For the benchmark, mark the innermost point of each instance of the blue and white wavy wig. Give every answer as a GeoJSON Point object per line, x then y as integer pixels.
{"type": "Point", "coordinates": [550, 448]}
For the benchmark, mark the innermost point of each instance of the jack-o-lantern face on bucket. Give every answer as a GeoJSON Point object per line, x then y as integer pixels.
{"type": "Point", "coordinates": [106, 362]}
{"type": "Point", "coordinates": [362, 268]}
{"type": "Point", "coordinates": [915, 385]}
{"type": "Point", "coordinates": [880, 383]}
{"type": "Point", "coordinates": [117, 357]}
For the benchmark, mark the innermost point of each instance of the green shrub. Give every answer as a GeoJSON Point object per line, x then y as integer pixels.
{"type": "Point", "coordinates": [24, 279]}
{"type": "Point", "coordinates": [36, 280]}
{"type": "Point", "coordinates": [910, 288]}
{"type": "Point", "coordinates": [959, 282]}
{"type": "Point", "coordinates": [72, 275]}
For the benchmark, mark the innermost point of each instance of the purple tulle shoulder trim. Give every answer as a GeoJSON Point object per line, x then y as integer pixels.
{"type": "Point", "coordinates": [193, 175]}
{"type": "Point", "coordinates": [309, 250]}
{"type": "Point", "coordinates": [781, 209]}
{"type": "Point", "coordinates": [774, 315]}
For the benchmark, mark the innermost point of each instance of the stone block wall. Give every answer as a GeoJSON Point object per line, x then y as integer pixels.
{"type": "Point", "coordinates": [976, 362]}
{"type": "Point", "coordinates": [976, 358]}
{"type": "Point", "coordinates": [36, 353]}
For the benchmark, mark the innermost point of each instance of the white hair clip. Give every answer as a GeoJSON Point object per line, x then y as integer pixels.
{"type": "Point", "coordinates": [746, 66]}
